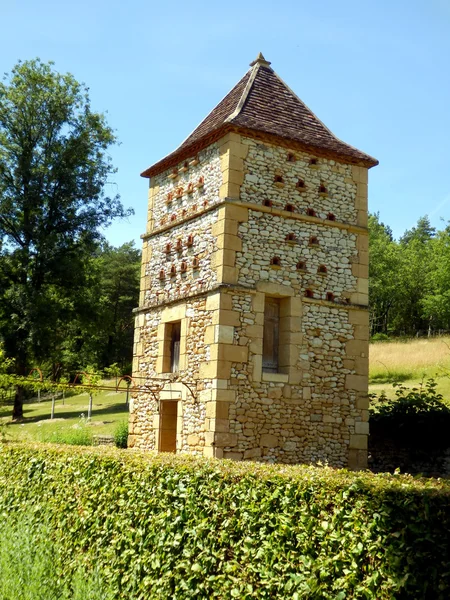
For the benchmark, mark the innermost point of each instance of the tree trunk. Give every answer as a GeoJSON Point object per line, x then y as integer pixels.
{"type": "Point", "coordinates": [18, 402]}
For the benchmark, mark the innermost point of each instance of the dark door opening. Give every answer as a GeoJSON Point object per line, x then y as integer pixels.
{"type": "Point", "coordinates": [168, 425]}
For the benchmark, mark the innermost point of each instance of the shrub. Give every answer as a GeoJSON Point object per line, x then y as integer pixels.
{"type": "Point", "coordinates": [184, 527]}
{"type": "Point", "coordinates": [379, 337]}
{"type": "Point", "coordinates": [417, 417]}
{"type": "Point", "coordinates": [121, 435]}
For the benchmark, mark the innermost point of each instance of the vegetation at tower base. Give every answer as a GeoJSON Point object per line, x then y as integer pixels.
{"type": "Point", "coordinates": [53, 168]}
{"type": "Point", "coordinates": [183, 527]}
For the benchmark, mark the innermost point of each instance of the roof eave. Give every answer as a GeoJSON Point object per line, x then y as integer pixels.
{"type": "Point", "coordinates": [191, 150]}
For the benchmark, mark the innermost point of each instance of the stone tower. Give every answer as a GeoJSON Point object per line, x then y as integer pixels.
{"type": "Point", "coordinates": [251, 337]}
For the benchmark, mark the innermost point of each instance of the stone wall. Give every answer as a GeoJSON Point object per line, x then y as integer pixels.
{"type": "Point", "coordinates": [170, 196]}
{"type": "Point", "coordinates": [181, 260]}
{"type": "Point", "coordinates": [309, 417]}
{"type": "Point", "coordinates": [257, 233]}
{"type": "Point", "coordinates": [265, 236]}
{"type": "Point", "coordinates": [144, 409]}
{"type": "Point", "coordinates": [266, 162]}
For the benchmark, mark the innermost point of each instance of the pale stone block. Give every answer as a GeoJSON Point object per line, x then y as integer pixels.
{"type": "Point", "coordinates": [253, 453]}
{"type": "Point", "coordinates": [358, 441]}
{"type": "Point", "coordinates": [193, 439]}
{"type": "Point", "coordinates": [363, 403]}
{"type": "Point", "coordinates": [268, 440]}
{"type": "Point", "coordinates": [361, 332]}
{"type": "Point", "coordinates": [229, 190]}
{"type": "Point", "coordinates": [257, 367]}
{"type": "Point", "coordinates": [173, 313]}
{"type": "Point", "coordinates": [223, 439]}
{"type": "Point", "coordinates": [255, 331]}
{"type": "Point", "coordinates": [236, 213]}
{"type": "Point", "coordinates": [226, 274]}
{"type": "Point", "coordinates": [362, 428]}
{"type": "Point", "coordinates": [306, 393]}
{"type": "Point", "coordinates": [232, 176]}
{"type": "Point", "coordinates": [363, 257]}
{"type": "Point", "coordinates": [362, 242]}
{"type": "Point", "coordinates": [224, 226]}
{"type": "Point", "coordinates": [357, 459]}
{"type": "Point", "coordinates": [361, 189]}
{"type": "Point", "coordinates": [275, 377]}
{"type": "Point", "coordinates": [358, 383]}
{"type": "Point", "coordinates": [233, 353]}
{"type": "Point", "coordinates": [208, 370]}
{"type": "Point", "coordinates": [210, 334]}
{"type": "Point", "coordinates": [275, 289]}
{"type": "Point", "coordinates": [217, 410]}
{"type": "Point", "coordinates": [213, 301]}
{"type": "Point", "coordinates": [226, 258]}
{"type": "Point", "coordinates": [362, 217]}
{"type": "Point", "coordinates": [223, 334]}
{"type": "Point", "coordinates": [219, 425]}
{"type": "Point", "coordinates": [256, 347]}
{"type": "Point", "coordinates": [362, 287]}
{"type": "Point", "coordinates": [258, 301]}
{"type": "Point", "coordinates": [230, 137]}
{"type": "Point", "coordinates": [223, 394]}
{"type": "Point", "coordinates": [361, 366]}
{"type": "Point", "coordinates": [226, 317]}
{"type": "Point", "coordinates": [229, 242]}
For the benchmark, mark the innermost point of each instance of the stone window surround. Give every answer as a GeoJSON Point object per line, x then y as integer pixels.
{"type": "Point", "coordinates": [290, 333]}
{"type": "Point", "coordinates": [171, 315]}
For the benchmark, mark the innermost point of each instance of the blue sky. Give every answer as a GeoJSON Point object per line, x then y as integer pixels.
{"type": "Point", "coordinates": [376, 73]}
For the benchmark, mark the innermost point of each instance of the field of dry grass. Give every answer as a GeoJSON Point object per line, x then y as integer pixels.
{"type": "Point", "coordinates": [409, 362]}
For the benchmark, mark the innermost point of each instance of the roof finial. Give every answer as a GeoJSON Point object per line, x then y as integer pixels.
{"type": "Point", "coordinates": [260, 60]}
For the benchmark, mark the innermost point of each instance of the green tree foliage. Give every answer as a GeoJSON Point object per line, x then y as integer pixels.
{"type": "Point", "coordinates": [384, 264]}
{"type": "Point", "coordinates": [53, 169]}
{"type": "Point", "coordinates": [101, 334]}
{"type": "Point", "coordinates": [409, 288]}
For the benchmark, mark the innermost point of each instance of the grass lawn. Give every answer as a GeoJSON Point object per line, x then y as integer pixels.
{"type": "Point", "coordinates": [108, 409]}
{"type": "Point", "coordinates": [409, 362]}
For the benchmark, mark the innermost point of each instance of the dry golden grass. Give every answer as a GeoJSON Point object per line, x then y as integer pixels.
{"type": "Point", "coordinates": [414, 356]}
{"type": "Point", "coordinates": [410, 362]}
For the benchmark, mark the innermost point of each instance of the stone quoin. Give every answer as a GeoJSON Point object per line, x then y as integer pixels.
{"type": "Point", "coordinates": [251, 337]}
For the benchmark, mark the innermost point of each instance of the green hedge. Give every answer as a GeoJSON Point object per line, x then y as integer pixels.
{"type": "Point", "coordinates": [174, 527]}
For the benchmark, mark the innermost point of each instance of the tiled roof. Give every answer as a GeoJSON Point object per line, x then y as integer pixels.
{"type": "Point", "coordinates": [263, 103]}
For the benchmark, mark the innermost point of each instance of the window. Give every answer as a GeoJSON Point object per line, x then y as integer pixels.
{"type": "Point", "coordinates": [271, 335]}
{"type": "Point", "coordinates": [172, 337]}
{"type": "Point", "coordinates": [310, 212]}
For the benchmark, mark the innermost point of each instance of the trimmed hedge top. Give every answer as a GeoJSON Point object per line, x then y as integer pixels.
{"type": "Point", "coordinates": [170, 526]}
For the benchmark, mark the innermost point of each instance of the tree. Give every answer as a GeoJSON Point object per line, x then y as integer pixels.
{"type": "Point", "coordinates": [384, 262]}
{"type": "Point", "coordinates": [53, 169]}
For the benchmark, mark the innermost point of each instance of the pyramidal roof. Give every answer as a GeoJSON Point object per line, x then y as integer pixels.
{"type": "Point", "coordinates": [262, 103]}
